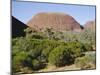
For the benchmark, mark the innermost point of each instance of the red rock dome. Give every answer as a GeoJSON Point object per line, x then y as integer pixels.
{"type": "Point", "coordinates": [56, 21]}
{"type": "Point", "coordinates": [90, 25]}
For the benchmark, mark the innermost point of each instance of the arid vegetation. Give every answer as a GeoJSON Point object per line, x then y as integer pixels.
{"type": "Point", "coordinates": [38, 50]}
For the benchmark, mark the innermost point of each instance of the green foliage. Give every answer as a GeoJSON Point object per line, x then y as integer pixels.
{"type": "Point", "coordinates": [50, 33]}
{"type": "Point", "coordinates": [62, 55]}
{"type": "Point", "coordinates": [88, 36]}
{"type": "Point", "coordinates": [86, 62]}
{"type": "Point", "coordinates": [45, 53]}
{"type": "Point", "coordinates": [36, 64]}
{"type": "Point", "coordinates": [88, 47]}
{"type": "Point", "coordinates": [18, 61]}
{"type": "Point", "coordinates": [76, 48]}
{"type": "Point", "coordinates": [37, 49]}
{"type": "Point", "coordinates": [57, 56]}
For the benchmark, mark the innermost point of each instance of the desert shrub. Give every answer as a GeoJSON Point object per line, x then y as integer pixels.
{"type": "Point", "coordinates": [14, 41]}
{"type": "Point", "coordinates": [87, 36]}
{"type": "Point", "coordinates": [29, 60]}
{"type": "Point", "coordinates": [76, 48]}
{"type": "Point", "coordinates": [88, 47]}
{"type": "Point", "coordinates": [27, 70]}
{"type": "Point", "coordinates": [49, 32]}
{"type": "Point", "coordinates": [37, 64]}
{"type": "Point", "coordinates": [34, 51]}
{"type": "Point", "coordinates": [45, 53]}
{"type": "Point", "coordinates": [23, 44]}
{"type": "Point", "coordinates": [15, 50]}
{"type": "Point", "coordinates": [18, 61]}
{"type": "Point", "coordinates": [16, 45]}
{"type": "Point", "coordinates": [86, 62]}
{"type": "Point", "coordinates": [67, 36]}
{"type": "Point", "coordinates": [91, 55]}
{"type": "Point", "coordinates": [56, 57]}
{"type": "Point", "coordinates": [65, 54]}
{"type": "Point", "coordinates": [34, 34]}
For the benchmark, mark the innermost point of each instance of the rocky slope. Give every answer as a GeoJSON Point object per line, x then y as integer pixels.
{"type": "Point", "coordinates": [55, 21]}
{"type": "Point", "coordinates": [90, 25]}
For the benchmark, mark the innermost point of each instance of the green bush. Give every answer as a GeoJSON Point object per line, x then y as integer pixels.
{"type": "Point", "coordinates": [18, 61]}
{"type": "Point", "coordinates": [56, 57]}
{"type": "Point", "coordinates": [62, 55]}
{"type": "Point", "coordinates": [86, 62]}
{"type": "Point", "coordinates": [87, 36]}
{"type": "Point", "coordinates": [88, 47]}
{"type": "Point", "coordinates": [45, 53]}
{"type": "Point", "coordinates": [76, 48]}
{"type": "Point", "coordinates": [37, 65]}
{"type": "Point", "coordinates": [57, 48]}
{"type": "Point", "coordinates": [34, 53]}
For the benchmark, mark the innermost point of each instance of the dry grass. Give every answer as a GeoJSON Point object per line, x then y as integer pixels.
{"type": "Point", "coordinates": [54, 68]}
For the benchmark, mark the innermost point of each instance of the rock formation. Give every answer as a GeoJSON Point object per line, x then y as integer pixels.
{"type": "Point", "coordinates": [56, 21]}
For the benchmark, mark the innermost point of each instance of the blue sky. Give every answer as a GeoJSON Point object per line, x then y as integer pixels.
{"type": "Point", "coordinates": [24, 11]}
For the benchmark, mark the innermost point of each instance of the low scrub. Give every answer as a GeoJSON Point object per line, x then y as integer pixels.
{"type": "Point", "coordinates": [35, 50]}
{"type": "Point", "coordinates": [86, 62]}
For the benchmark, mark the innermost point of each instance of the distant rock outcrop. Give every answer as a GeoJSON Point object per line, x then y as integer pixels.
{"type": "Point", "coordinates": [90, 25]}
{"type": "Point", "coordinates": [56, 21]}
{"type": "Point", "coordinates": [17, 28]}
